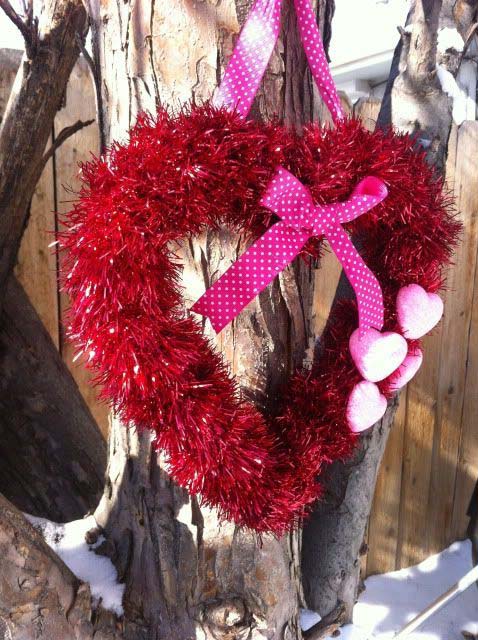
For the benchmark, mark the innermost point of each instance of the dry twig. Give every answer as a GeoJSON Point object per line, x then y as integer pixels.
{"type": "Point", "coordinates": [64, 134]}
{"type": "Point", "coordinates": [97, 82]}
{"type": "Point", "coordinates": [328, 625]}
{"type": "Point", "coordinates": [28, 27]}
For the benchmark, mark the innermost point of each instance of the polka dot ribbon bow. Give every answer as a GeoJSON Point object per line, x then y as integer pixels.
{"type": "Point", "coordinates": [300, 219]}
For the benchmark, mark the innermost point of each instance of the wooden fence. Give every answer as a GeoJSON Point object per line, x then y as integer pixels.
{"type": "Point", "coordinates": [431, 462]}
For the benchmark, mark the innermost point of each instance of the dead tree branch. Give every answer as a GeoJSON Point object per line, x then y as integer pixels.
{"type": "Point", "coordinates": [28, 28]}
{"type": "Point", "coordinates": [64, 134]}
{"type": "Point", "coordinates": [471, 34]}
{"type": "Point", "coordinates": [40, 403]}
{"type": "Point", "coordinates": [28, 120]}
{"type": "Point", "coordinates": [96, 75]}
{"type": "Point", "coordinates": [329, 624]}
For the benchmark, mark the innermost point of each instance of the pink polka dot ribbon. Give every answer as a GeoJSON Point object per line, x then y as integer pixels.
{"type": "Point", "coordinates": [300, 220]}
{"type": "Point", "coordinates": [250, 57]}
{"type": "Point", "coordinates": [314, 50]}
{"type": "Point", "coordinates": [254, 48]}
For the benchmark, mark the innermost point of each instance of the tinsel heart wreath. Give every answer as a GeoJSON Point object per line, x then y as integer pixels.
{"type": "Point", "coordinates": [202, 168]}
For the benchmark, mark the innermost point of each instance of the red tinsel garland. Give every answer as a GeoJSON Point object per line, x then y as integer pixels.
{"type": "Point", "coordinates": [207, 167]}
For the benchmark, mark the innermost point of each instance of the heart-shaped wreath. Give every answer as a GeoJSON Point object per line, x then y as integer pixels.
{"type": "Point", "coordinates": [208, 166]}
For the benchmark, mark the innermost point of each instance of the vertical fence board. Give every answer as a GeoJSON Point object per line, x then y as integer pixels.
{"type": "Point", "coordinates": [385, 514]}
{"type": "Point", "coordinates": [467, 468]}
{"type": "Point", "coordinates": [367, 109]}
{"type": "Point", "coordinates": [467, 464]}
{"type": "Point", "coordinates": [417, 455]}
{"type": "Point", "coordinates": [326, 280]}
{"type": "Point", "coordinates": [36, 267]}
{"type": "Point", "coordinates": [461, 175]}
{"type": "Point", "coordinates": [79, 105]}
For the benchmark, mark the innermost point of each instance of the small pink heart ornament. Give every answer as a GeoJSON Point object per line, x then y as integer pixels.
{"type": "Point", "coordinates": [376, 355]}
{"type": "Point", "coordinates": [406, 371]}
{"type": "Point", "coordinates": [365, 407]}
{"type": "Point", "coordinates": [418, 311]}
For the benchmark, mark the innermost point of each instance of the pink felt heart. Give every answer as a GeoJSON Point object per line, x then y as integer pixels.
{"type": "Point", "coordinates": [418, 311]}
{"type": "Point", "coordinates": [365, 407]}
{"type": "Point", "coordinates": [376, 355]}
{"type": "Point", "coordinates": [406, 371]}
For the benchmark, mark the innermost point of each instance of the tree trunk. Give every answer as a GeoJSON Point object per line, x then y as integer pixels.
{"type": "Point", "coordinates": [187, 576]}
{"type": "Point", "coordinates": [334, 537]}
{"type": "Point", "coordinates": [53, 454]}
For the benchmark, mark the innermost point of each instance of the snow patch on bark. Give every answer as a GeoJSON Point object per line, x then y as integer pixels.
{"type": "Point", "coordinates": [68, 541]}
{"type": "Point", "coordinates": [464, 104]}
{"type": "Point", "coordinates": [449, 39]}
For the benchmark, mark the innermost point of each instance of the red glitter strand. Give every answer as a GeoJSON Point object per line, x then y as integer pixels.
{"type": "Point", "coordinates": [203, 168]}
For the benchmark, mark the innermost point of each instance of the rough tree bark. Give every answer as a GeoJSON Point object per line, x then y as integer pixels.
{"type": "Point", "coordinates": [52, 453]}
{"type": "Point", "coordinates": [39, 596]}
{"type": "Point", "coordinates": [333, 538]}
{"type": "Point", "coordinates": [185, 575]}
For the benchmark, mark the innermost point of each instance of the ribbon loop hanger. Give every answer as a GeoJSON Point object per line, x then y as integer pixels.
{"type": "Point", "coordinates": [254, 48]}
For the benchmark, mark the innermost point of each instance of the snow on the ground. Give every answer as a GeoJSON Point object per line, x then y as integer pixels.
{"type": "Point", "coordinates": [68, 541]}
{"type": "Point", "coordinates": [391, 600]}
{"type": "Point", "coordinates": [388, 603]}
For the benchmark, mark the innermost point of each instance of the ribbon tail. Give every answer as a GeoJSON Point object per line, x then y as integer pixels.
{"type": "Point", "coordinates": [365, 285]}
{"type": "Point", "coordinates": [250, 274]}
{"type": "Point", "coordinates": [250, 57]}
{"type": "Point", "coordinates": [319, 65]}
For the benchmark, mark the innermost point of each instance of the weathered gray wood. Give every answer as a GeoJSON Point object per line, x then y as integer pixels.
{"type": "Point", "coordinates": [418, 103]}
{"type": "Point", "coordinates": [52, 454]}
{"type": "Point", "coordinates": [28, 119]}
